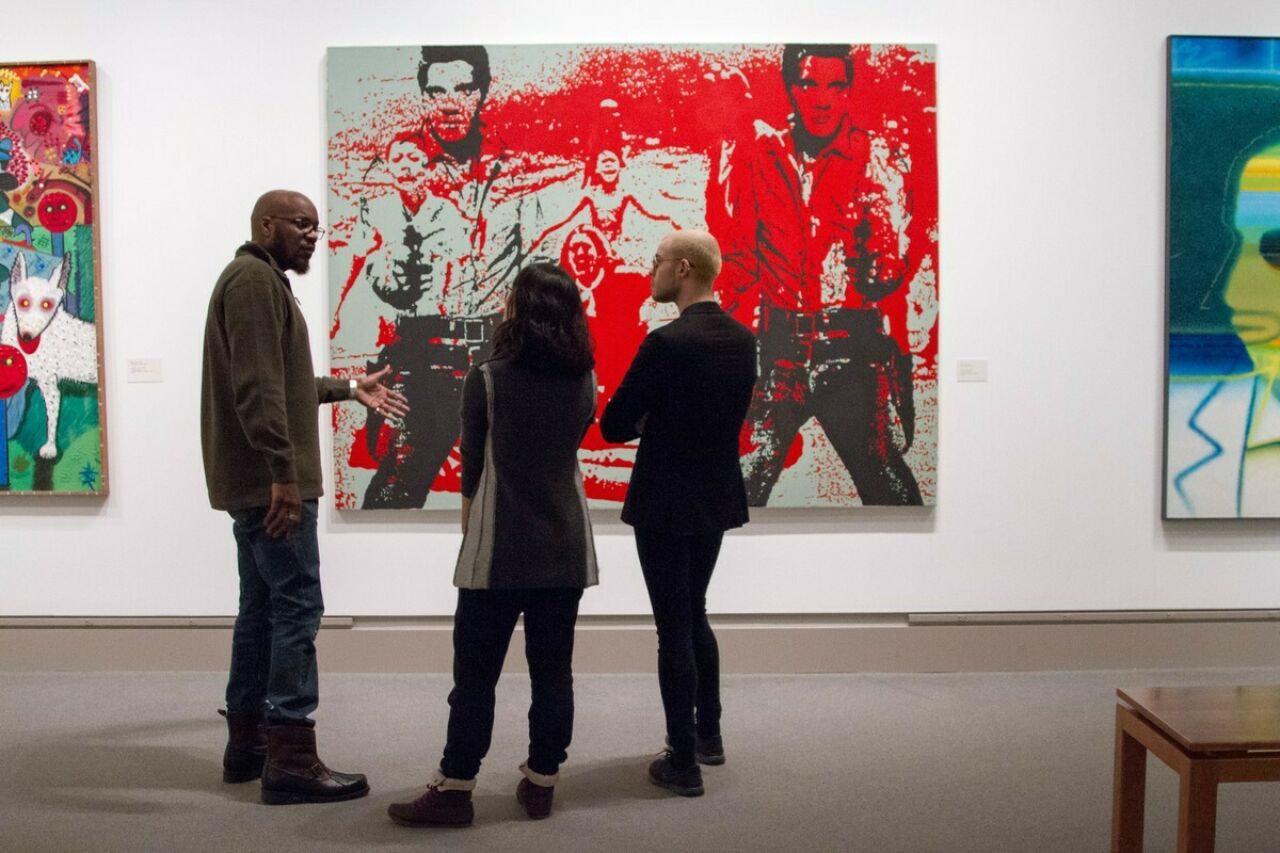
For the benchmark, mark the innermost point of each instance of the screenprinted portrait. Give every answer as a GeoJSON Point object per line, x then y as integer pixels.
{"type": "Point", "coordinates": [451, 167]}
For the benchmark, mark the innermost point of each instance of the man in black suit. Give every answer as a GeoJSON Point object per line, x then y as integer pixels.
{"type": "Point", "coordinates": [685, 396]}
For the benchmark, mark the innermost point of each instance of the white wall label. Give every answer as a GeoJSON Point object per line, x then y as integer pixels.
{"type": "Point", "coordinates": [971, 370]}
{"type": "Point", "coordinates": [145, 370]}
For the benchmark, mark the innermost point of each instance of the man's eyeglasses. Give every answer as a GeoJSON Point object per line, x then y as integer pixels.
{"type": "Point", "coordinates": [658, 260]}
{"type": "Point", "coordinates": [306, 226]}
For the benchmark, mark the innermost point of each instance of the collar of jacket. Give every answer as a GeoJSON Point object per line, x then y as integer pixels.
{"type": "Point", "coordinates": [252, 248]}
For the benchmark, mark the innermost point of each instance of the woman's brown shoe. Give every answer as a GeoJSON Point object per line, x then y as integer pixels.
{"type": "Point", "coordinates": [446, 802]}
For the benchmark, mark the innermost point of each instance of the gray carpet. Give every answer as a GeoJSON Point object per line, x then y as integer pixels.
{"type": "Point", "coordinates": [913, 763]}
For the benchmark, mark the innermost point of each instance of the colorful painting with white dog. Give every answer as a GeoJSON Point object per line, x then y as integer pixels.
{"type": "Point", "coordinates": [52, 415]}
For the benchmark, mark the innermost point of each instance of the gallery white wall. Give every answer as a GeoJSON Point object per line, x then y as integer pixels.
{"type": "Point", "coordinates": [1051, 129]}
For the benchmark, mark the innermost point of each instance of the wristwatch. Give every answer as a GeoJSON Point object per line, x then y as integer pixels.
{"type": "Point", "coordinates": [353, 389]}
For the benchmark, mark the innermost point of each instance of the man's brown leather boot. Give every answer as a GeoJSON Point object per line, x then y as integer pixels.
{"type": "Point", "coordinates": [246, 750]}
{"type": "Point", "coordinates": [295, 774]}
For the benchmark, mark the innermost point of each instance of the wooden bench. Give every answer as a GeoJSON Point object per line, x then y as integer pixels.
{"type": "Point", "coordinates": [1208, 735]}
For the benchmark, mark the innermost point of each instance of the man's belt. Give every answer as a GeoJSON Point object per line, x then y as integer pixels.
{"type": "Point", "coordinates": [857, 331]}
{"type": "Point", "coordinates": [817, 324]}
{"type": "Point", "coordinates": [470, 330]}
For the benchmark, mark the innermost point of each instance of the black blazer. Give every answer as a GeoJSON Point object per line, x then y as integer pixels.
{"type": "Point", "coordinates": [685, 395]}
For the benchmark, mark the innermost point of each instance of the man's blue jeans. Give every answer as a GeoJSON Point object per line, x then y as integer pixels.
{"type": "Point", "coordinates": [273, 652]}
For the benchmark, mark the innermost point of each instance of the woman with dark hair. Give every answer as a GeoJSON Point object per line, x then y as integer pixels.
{"type": "Point", "coordinates": [526, 545]}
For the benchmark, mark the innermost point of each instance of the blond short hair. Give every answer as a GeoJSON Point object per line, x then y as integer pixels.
{"type": "Point", "coordinates": [701, 250]}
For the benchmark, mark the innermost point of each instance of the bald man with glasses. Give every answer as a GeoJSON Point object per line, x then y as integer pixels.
{"type": "Point", "coordinates": [685, 397]}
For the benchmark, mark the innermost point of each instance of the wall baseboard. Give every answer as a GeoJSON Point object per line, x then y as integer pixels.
{"type": "Point", "coordinates": [762, 644]}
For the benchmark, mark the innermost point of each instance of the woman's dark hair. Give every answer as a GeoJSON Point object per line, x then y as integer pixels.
{"type": "Point", "coordinates": [546, 329]}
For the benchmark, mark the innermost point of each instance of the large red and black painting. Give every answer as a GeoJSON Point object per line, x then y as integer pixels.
{"type": "Point", "coordinates": [814, 165]}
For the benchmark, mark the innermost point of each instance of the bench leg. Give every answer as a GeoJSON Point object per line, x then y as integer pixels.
{"type": "Point", "coordinates": [1129, 796]}
{"type": "Point", "coordinates": [1197, 809]}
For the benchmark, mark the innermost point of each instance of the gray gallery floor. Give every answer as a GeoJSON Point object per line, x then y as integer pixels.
{"type": "Point", "coordinates": [913, 763]}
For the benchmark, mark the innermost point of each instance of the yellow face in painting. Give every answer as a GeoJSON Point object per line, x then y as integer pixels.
{"type": "Point", "coordinates": [1253, 291]}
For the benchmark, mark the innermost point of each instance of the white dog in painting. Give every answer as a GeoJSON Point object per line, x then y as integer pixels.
{"type": "Point", "coordinates": [57, 345]}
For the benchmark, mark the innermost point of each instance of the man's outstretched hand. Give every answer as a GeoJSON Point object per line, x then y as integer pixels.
{"type": "Point", "coordinates": [373, 394]}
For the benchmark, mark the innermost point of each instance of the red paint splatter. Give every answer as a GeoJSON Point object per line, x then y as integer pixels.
{"type": "Point", "coordinates": [359, 457]}
{"type": "Point", "coordinates": [387, 332]}
{"type": "Point", "coordinates": [746, 441]}
{"type": "Point", "coordinates": [450, 477]}
{"type": "Point", "coordinates": [794, 451]}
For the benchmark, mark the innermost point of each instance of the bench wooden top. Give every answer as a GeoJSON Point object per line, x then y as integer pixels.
{"type": "Point", "coordinates": [1212, 719]}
